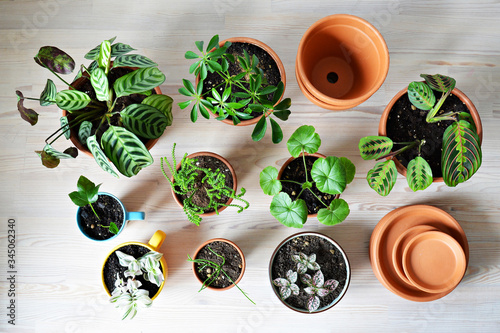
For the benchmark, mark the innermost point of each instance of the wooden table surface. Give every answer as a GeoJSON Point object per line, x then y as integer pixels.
{"type": "Point", "coordinates": [57, 284]}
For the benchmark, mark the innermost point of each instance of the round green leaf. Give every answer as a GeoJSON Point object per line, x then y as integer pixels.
{"type": "Point", "coordinates": [336, 213]}
{"type": "Point", "coordinates": [303, 139]}
{"type": "Point", "coordinates": [289, 213]}
{"type": "Point", "coordinates": [269, 181]}
{"type": "Point", "coordinates": [329, 174]}
{"type": "Point", "coordinates": [350, 169]}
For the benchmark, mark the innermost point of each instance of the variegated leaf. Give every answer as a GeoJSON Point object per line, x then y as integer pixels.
{"type": "Point", "coordinates": [57, 154]}
{"type": "Point", "coordinates": [138, 81]}
{"type": "Point", "coordinates": [94, 53]}
{"type": "Point", "coordinates": [72, 100]}
{"type": "Point", "coordinates": [163, 103]}
{"type": "Point", "coordinates": [120, 49]}
{"type": "Point", "coordinates": [47, 160]}
{"type": "Point", "coordinates": [133, 60]}
{"type": "Point", "coordinates": [30, 115]}
{"type": "Point", "coordinates": [291, 276]}
{"type": "Point", "coordinates": [104, 55]}
{"type": "Point", "coordinates": [301, 268]}
{"type": "Point", "coordinates": [295, 257]}
{"type": "Point", "coordinates": [55, 59]}
{"type": "Point", "coordinates": [99, 82]}
{"type": "Point", "coordinates": [382, 177]}
{"type": "Point", "coordinates": [64, 125]}
{"type": "Point", "coordinates": [439, 82]}
{"type": "Point", "coordinates": [312, 258]}
{"type": "Point", "coordinates": [125, 150]}
{"type": "Point", "coordinates": [84, 131]}
{"type": "Point", "coordinates": [313, 303]}
{"type": "Point", "coordinates": [48, 95]}
{"type": "Point", "coordinates": [318, 279]}
{"type": "Point", "coordinates": [462, 155]}
{"type": "Point", "coordinates": [374, 147]}
{"type": "Point", "coordinates": [310, 290]}
{"type": "Point", "coordinates": [418, 174]}
{"type": "Point", "coordinates": [99, 156]}
{"type": "Point", "coordinates": [421, 96]}
{"type": "Point", "coordinates": [331, 284]}
{"type": "Point", "coordinates": [306, 278]}
{"type": "Point", "coordinates": [322, 292]}
{"type": "Point", "coordinates": [295, 289]}
{"type": "Point", "coordinates": [280, 282]}
{"type": "Point", "coordinates": [144, 120]}
{"type": "Point", "coordinates": [285, 292]}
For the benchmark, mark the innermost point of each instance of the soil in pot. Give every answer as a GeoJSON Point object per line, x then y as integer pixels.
{"type": "Point", "coordinates": [109, 210]}
{"type": "Point", "coordinates": [113, 267]}
{"type": "Point", "coordinates": [329, 258]}
{"type": "Point", "coordinates": [295, 171]}
{"type": "Point", "coordinates": [405, 123]}
{"type": "Point", "coordinates": [200, 198]}
{"type": "Point", "coordinates": [266, 63]}
{"type": "Point", "coordinates": [232, 266]}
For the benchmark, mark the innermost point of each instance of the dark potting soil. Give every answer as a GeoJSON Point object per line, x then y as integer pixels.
{"type": "Point", "coordinates": [329, 258]}
{"type": "Point", "coordinates": [406, 123]}
{"type": "Point", "coordinates": [109, 210]}
{"type": "Point", "coordinates": [295, 171]}
{"type": "Point", "coordinates": [200, 198]}
{"type": "Point", "coordinates": [112, 267]}
{"type": "Point", "coordinates": [232, 265]}
{"type": "Point", "coordinates": [266, 63]}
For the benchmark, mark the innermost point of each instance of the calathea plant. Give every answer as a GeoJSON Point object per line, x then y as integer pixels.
{"type": "Point", "coordinates": [112, 115]}
{"type": "Point", "coordinates": [329, 175]}
{"type": "Point", "coordinates": [461, 148]}
{"type": "Point", "coordinates": [241, 96]}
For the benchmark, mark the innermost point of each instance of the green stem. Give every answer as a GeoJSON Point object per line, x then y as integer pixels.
{"type": "Point", "coordinates": [94, 211]}
{"type": "Point", "coordinates": [431, 116]}
{"type": "Point", "coordinates": [399, 151]}
{"type": "Point", "coordinates": [318, 198]}
{"type": "Point", "coordinates": [305, 165]}
{"type": "Point", "coordinates": [60, 78]}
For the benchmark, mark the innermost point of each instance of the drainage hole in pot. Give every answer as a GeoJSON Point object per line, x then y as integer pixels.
{"type": "Point", "coordinates": [332, 77]}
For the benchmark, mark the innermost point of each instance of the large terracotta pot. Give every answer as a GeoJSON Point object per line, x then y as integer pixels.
{"type": "Point", "coordinates": [382, 127]}
{"type": "Point", "coordinates": [342, 60]}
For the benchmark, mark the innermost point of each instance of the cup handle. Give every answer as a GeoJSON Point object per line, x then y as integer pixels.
{"type": "Point", "coordinates": [157, 240]}
{"type": "Point", "coordinates": [135, 216]}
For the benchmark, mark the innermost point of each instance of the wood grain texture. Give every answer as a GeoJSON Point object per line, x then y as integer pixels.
{"type": "Point", "coordinates": [58, 280]}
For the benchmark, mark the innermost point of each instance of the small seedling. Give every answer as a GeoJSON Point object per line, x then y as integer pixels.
{"type": "Point", "coordinates": [317, 287]}
{"type": "Point", "coordinates": [129, 297]}
{"type": "Point", "coordinates": [287, 286]}
{"type": "Point", "coordinates": [305, 262]}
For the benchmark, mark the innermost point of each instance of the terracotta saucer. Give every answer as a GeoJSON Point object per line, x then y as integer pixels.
{"type": "Point", "coordinates": [391, 227]}
{"type": "Point", "coordinates": [399, 246]}
{"type": "Point", "coordinates": [434, 262]}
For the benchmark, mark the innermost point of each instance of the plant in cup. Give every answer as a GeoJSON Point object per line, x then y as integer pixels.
{"type": "Point", "coordinates": [113, 114]}
{"type": "Point", "coordinates": [245, 95]}
{"type": "Point", "coordinates": [329, 175]}
{"type": "Point", "coordinates": [461, 149]}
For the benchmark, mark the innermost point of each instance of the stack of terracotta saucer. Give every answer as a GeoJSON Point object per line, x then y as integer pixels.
{"type": "Point", "coordinates": [419, 252]}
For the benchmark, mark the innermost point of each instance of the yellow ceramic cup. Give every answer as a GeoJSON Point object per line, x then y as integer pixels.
{"type": "Point", "coordinates": [154, 244]}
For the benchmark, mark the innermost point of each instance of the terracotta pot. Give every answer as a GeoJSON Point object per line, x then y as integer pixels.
{"type": "Point", "coordinates": [276, 59]}
{"type": "Point", "coordinates": [342, 60]}
{"type": "Point", "coordinates": [74, 132]}
{"type": "Point", "coordinates": [335, 244]}
{"type": "Point", "coordinates": [382, 127]}
{"type": "Point", "coordinates": [226, 162]}
{"type": "Point", "coordinates": [154, 244]}
{"type": "Point", "coordinates": [243, 262]}
{"type": "Point", "coordinates": [282, 169]}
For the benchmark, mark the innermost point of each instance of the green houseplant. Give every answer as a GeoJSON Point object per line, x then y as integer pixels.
{"type": "Point", "coordinates": [244, 94]}
{"type": "Point", "coordinates": [461, 154]}
{"type": "Point", "coordinates": [327, 178]}
{"type": "Point", "coordinates": [111, 108]}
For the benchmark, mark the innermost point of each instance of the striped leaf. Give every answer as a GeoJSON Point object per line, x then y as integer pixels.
{"type": "Point", "coordinates": [382, 177]}
{"type": "Point", "coordinates": [439, 82]}
{"type": "Point", "coordinates": [418, 174]}
{"type": "Point", "coordinates": [119, 49]}
{"type": "Point", "coordinates": [84, 131]}
{"type": "Point", "coordinates": [48, 95]}
{"type": "Point", "coordinates": [144, 120]}
{"type": "Point", "coordinates": [163, 103]}
{"type": "Point", "coordinates": [56, 154]}
{"type": "Point", "coordinates": [72, 100]}
{"type": "Point", "coordinates": [461, 156]}
{"type": "Point", "coordinates": [421, 96]}
{"type": "Point", "coordinates": [374, 147]}
{"type": "Point", "coordinates": [104, 55]}
{"type": "Point", "coordinates": [99, 81]}
{"type": "Point", "coordinates": [64, 124]}
{"type": "Point", "coordinates": [138, 81]}
{"type": "Point", "coordinates": [99, 155]}
{"type": "Point", "coordinates": [125, 150]}
{"type": "Point", "coordinates": [133, 60]}
{"type": "Point", "coordinates": [94, 53]}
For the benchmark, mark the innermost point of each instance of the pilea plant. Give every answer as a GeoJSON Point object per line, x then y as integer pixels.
{"type": "Point", "coordinates": [461, 148]}
{"type": "Point", "coordinates": [113, 116]}
{"type": "Point", "coordinates": [315, 285]}
{"type": "Point", "coordinates": [329, 175]}
{"type": "Point", "coordinates": [241, 96]}
{"type": "Point", "coordinates": [185, 183]}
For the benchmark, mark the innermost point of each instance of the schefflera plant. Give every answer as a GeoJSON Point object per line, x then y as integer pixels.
{"type": "Point", "coordinates": [89, 115]}
{"type": "Point", "coordinates": [461, 149]}
{"type": "Point", "coordinates": [330, 175]}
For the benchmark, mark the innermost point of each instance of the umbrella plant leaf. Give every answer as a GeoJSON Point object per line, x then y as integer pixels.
{"type": "Point", "coordinates": [64, 124]}
{"type": "Point", "coordinates": [335, 213]}
{"type": "Point", "coordinates": [462, 155]}
{"type": "Point", "coordinates": [163, 103]}
{"type": "Point", "coordinates": [289, 213]}
{"type": "Point", "coordinates": [279, 92]}
{"type": "Point", "coordinates": [84, 131]}
{"type": "Point", "coordinates": [350, 169]}
{"type": "Point", "coordinates": [125, 150]}
{"type": "Point", "coordinates": [303, 139]}
{"type": "Point", "coordinates": [48, 95]}
{"type": "Point", "coordinates": [71, 100]}
{"type": "Point", "coordinates": [138, 81]}
{"type": "Point", "coordinates": [329, 174]}
{"type": "Point", "coordinates": [382, 177]}
{"type": "Point", "coordinates": [260, 129]}
{"type": "Point", "coordinates": [421, 95]}
{"type": "Point", "coordinates": [55, 59]}
{"type": "Point", "coordinates": [439, 82]}
{"type": "Point", "coordinates": [99, 156]}
{"type": "Point", "coordinates": [277, 133]}
{"type": "Point", "coordinates": [144, 120]}
{"type": "Point", "coordinates": [133, 60]}
{"type": "Point", "coordinates": [418, 174]}
{"type": "Point", "coordinates": [374, 147]}
{"type": "Point", "coordinates": [27, 114]}
{"type": "Point", "coordinates": [99, 82]}
{"type": "Point", "coordinates": [269, 181]}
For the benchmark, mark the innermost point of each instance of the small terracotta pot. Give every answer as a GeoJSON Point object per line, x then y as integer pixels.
{"type": "Point", "coordinates": [342, 60]}
{"type": "Point", "coordinates": [335, 244]}
{"type": "Point", "coordinates": [282, 169]}
{"type": "Point", "coordinates": [154, 244]}
{"type": "Point", "coordinates": [74, 132]}
{"type": "Point", "coordinates": [382, 127]}
{"type": "Point", "coordinates": [273, 55]}
{"type": "Point", "coordinates": [226, 162]}
{"type": "Point", "coordinates": [243, 262]}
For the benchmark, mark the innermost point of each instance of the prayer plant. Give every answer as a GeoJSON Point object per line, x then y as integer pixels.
{"type": "Point", "coordinates": [111, 130]}
{"type": "Point", "coordinates": [329, 175]}
{"type": "Point", "coordinates": [239, 95]}
{"type": "Point", "coordinates": [461, 148]}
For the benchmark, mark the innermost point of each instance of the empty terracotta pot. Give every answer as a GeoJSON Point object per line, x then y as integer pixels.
{"type": "Point", "coordinates": [342, 60]}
